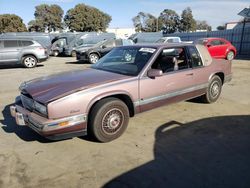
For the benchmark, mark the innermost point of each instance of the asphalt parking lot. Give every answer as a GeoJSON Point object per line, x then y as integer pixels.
{"type": "Point", "coordinates": [182, 145]}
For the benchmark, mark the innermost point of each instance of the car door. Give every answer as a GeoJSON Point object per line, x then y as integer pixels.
{"type": "Point", "coordinates": [174, 85]}
{"type": "Point", "coordinates": [200, 73]}
{"type": "Point", "coordinates": [107, 47]}
{"type": "Point", "coordinates": [10, 51]}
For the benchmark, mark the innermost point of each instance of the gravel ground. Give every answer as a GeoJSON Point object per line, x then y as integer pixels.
{"type": "Point", "coordinates": [181, 145]}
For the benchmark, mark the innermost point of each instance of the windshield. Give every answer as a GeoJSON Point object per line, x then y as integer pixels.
{"type": "Point", "coordinates": [160, 40]}
{"type": "Point", "coordinates": [125, 60]}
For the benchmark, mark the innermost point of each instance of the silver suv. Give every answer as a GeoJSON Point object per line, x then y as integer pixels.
{"type": "Point", "coordinates": [22, 51]}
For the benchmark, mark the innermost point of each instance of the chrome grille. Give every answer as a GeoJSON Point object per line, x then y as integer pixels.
{"type": "Point", "coordinates": [27, 102]}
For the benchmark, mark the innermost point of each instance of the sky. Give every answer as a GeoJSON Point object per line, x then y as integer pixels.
{"type": "Point", "coordinates": [215, 12]}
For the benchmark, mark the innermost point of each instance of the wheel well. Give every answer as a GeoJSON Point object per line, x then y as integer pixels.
{"type": "Point", "coordinates": [29, 55]}
{"type": "Point", "coordinates": [94, 53]}
{"type": "Point", "coordinates": [125, 98]}
{"type": "Point", "coordinates": [221, 75]}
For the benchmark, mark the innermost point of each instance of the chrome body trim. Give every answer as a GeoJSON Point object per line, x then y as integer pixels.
{"type": "Point", "coordinates": [170, 95]}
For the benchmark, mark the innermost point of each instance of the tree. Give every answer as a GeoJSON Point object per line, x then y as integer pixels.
{"type": "Point", "coordinates": [221, 27]}
{"type": "Point", "coordinates": [145, 22]}
{"type": "Point", "coordinates": [86, 18]}
{"type": "Point", "coordinates": [47, 17]}
{"type": "Point", "coordinates": [188, 22]}
{"type": "Point", "coordinates": [36, 25]}
{"type": "Point", "coordinates": [203, 25]}
{"type": "Point", "coordinates": [169, 20]}
{"type": "Point", "coordinates": [11, 23]}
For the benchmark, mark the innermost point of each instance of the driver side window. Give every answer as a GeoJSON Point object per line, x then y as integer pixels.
{"type": "Point", "coordinates": [171, 59]}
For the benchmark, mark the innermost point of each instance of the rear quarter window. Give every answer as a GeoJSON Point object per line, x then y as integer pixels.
{"type": "Point", "coordinates": [194, 56]}
{"type": "Point", "coordinates": [26, 43]}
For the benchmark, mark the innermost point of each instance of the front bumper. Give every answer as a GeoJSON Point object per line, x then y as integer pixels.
{"type": "Point", "coordinates": [52, 129]}
{"type": "Point", "coordinates": [82, 56]}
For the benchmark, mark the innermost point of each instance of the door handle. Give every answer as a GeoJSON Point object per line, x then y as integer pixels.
{"type": "Point", "coordinates": [190, 74]}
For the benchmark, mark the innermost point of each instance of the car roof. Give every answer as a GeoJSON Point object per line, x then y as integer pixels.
{"type": "Point", "coordinates": [162, 45]}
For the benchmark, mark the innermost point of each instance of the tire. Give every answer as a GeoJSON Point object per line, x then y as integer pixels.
{"type": "Point", "coordinates": [230, 55]}
{"type": "Point", "coordinates": [29, 61]}
{"type": "Point", "coordinates": [213, 91]}
{"type": "Point", "coordinates": [93, 58]}
{"type": "Point", "coordinates": [73, 53]}
{"type": "Point", "coordinates": [108, 119]}
{"type": "Point", "coordinates": [55, 53]}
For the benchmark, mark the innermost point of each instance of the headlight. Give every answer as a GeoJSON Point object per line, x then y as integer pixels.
{"type": "Point", "coordinates": [22, 86]}
{"type": "Point", "coordinates": [40, 108]}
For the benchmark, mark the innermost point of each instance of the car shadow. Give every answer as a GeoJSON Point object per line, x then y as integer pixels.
{"type": "Point", "coordinates": [23, 132]}
{"type": "Point", "coordinates": [78, 62]}
{"type": "Point", "coordinates": [210, 152]}
{"type": "Point", "coordinates": [18, 66]}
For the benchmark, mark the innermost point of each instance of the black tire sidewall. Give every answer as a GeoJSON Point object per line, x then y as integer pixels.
{"type": "Point", "coordinates": [100, 109]}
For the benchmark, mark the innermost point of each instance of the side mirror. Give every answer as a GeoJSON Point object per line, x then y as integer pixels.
{"type": "Point", "coordinates": [209, 45]}
{"type": "Point", "coordinates": [103, 46]}
{"type": "Point", "coordinates": [152, 73]}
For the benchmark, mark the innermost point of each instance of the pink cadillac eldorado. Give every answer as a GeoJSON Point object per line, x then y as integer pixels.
{"type": "Point", "coordinates": [127, 81]}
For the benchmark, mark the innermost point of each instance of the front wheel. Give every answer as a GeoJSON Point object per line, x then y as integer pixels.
{"type": "Point", "coordinates": [93, 58]}
{"type": "Point", "coordinates": [230, 55]}
{"type": "Point", "coordinates": [108, 119]}
{"type": "Point", "coordinates": [29, 61]}
{"type": "Point", "coordinates": [55, 53]}
{"type": "Point", "coordinates": [213, 91]}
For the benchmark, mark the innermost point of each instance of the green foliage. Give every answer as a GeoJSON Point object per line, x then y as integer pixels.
{"type": "Point", "coordinates": [145, 22]}
{"type": "Point", "coordinates": [188, 22]}
{"type": "Point", "coordinates": [11, 23]}
{"type": "Point", "coordinates": [86, 18]}
{"type": "Point", "coordinates": [203, 25]}
{"type": "Point", "coordinates": [169, 21]}
{"type": "Point", "coordinates": [221, 27]}
{"type": "Point", "coordinates": [46, 17]}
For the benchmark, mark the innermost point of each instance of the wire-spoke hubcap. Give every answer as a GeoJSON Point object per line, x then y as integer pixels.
{"type": "Point", "coordinates": [93, 58]}
{"type": "Point", "coordinates": [30, 62]}
{"type": "Point", "coordinates": [112, 121]}
{"type": "Point", "coordinates": [215, 90]}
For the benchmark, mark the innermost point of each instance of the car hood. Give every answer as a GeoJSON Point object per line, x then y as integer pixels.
{"type": "Point", "coordinates": [52, 87]}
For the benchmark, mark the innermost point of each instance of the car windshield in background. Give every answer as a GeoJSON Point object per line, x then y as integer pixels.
{"type": "Point", "coordinates": [125, 60]}
{"type": "Point", "coordinates": [201, 41]}
{"type": "Point", "coordinates": [160, 41]}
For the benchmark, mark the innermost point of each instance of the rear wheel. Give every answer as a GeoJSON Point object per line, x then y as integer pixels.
{"type": "Point", "coordinates": [73, 53]}
{"type": "Point", "coordinates": [108, 119]}
{"type": "Point", "coordinates": [230, 55]}
{"type": "Point", "coordinates": [29, 61]}
{"type": "Point", "coordinates": [213, 91]}
{"type": "Point", "coordinates": [93, 58]}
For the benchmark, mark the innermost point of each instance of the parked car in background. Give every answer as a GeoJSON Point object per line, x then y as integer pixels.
{"type": "Point", "coordinates": [169, 40]}
{"type": "Point", "coordinates": [22, 51]}
{"type": "Point", "coordinates": [128, 80]}
{"type": "Point", "coordinates": [94, 53]}
{"type": "Point", "coordinates": [218, 47]}
{"type": "Point", "coordinates": [42, 38]}
{"type": "Point", "coordinates": [85, 39]}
